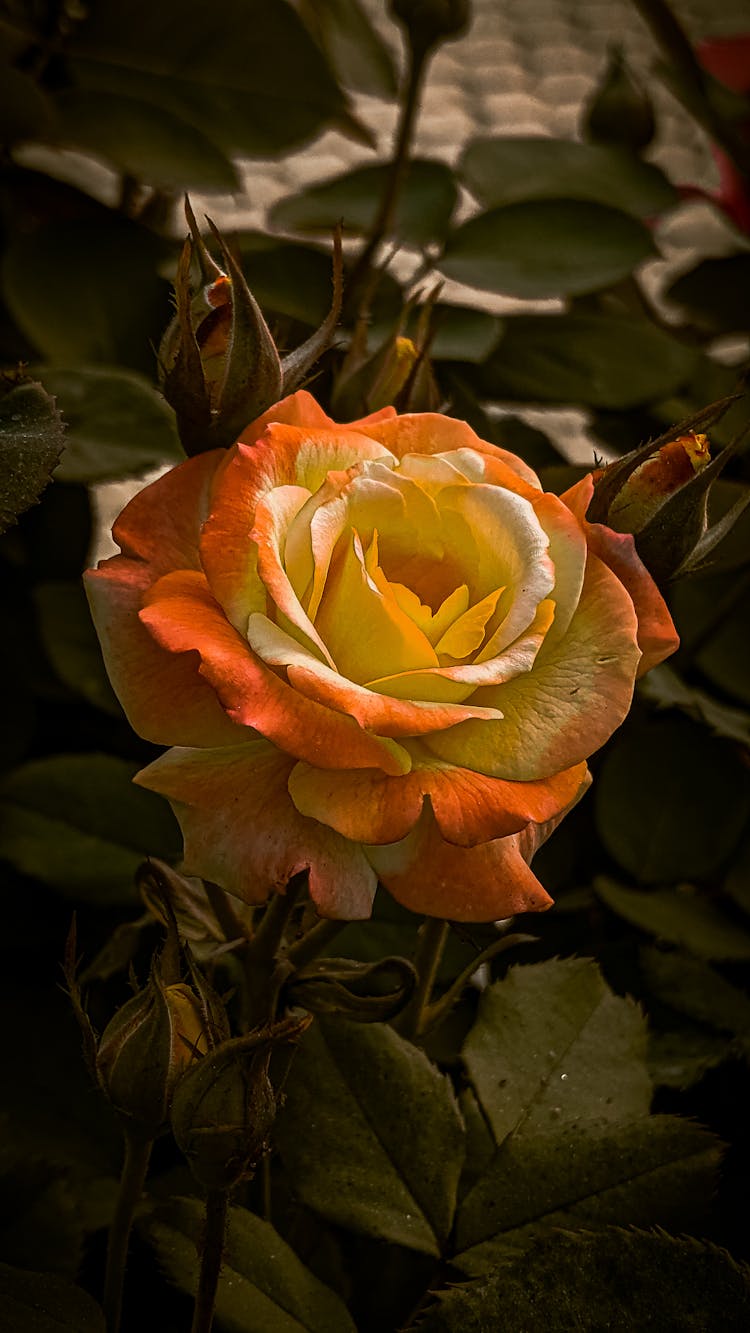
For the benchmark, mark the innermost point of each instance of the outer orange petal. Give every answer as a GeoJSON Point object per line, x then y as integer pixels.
{"type": "Point", "coordinates": [301, 409]}
{"type": "Point", "coordinates": [657, 636]}
{"type": "Point", "coordinates": [483, 883]}
{"type": "Point", "coordinates": [242, 831]}
{"type": "Point", "coordinates": [183, 617]}
{"type": "Point", "coordinates": [433, 433]}
{"type": "Point", "coordinates": [165, 698]}
{"type": "Point", "coordinates": [571, 701]}
{"type": "Point", "coordinates": [161, 524]}
{"type": "Point", "coordinates": [469, 808]}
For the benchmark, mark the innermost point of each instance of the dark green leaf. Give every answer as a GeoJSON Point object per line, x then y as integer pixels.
{"type": "Point", "coordinates": [389, 1140]}
{"type": "Point", "coordinates": [665, 688]}
{"type": "Point", "coordinates": [515, 169]}
{"type": "Point", "coordinates": [88, 291]}
{"type": "Point", "coordinates": [603, 360]}
{"type": "Point", "coordinates": [556, 247]}
{"type": "Point", "coordinates": [31, 442]}
{"type": "Point", "coordinates": [25, 111]}
{"type": "Point", "coordinates": [70, 642]}
{"type": "Point", "coordinates": [146, 142]}
{"type": "Point", "coordinates": [286, 277]}
{"type": "Point", "coordinates": [671, 801]}
{"type": "Point", "coordinates": [263, 1287]}
{"type": "Point", "coordinates": [552, 1046]}
{"type": "Point", "coordinates": [353, 45]}
{"type": "Point", "coordinates": [463, 334]}
{"type": "Point", "coordinates": [658, 1171]}
{"type": "Point", "coordinates": [43, 1303]}
{"type": "Point", "coordinates": [245, 73]}
{"type": "Point", "coordinates": [618, 1280]}
{"type": "Point", "coordinates": [423, 213]}
{"type": "Point", "coordinates": [693, 988]}
{"type": "Point", "coordinates": [117, 424]}
{"type": "Point", "coordinates": [737, 882]}
{"type": "Point", "coordinates": [77, 823]}
{"type": "Point", "coordinates": [679, 1057]}
{"type": "Point", "coordinates": [679, 916]}
{"type": "Point", "coordinates": [714, 293]}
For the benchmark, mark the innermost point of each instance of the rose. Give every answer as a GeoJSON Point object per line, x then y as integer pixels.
{"type": "Point", "coordinates": [379, 651]}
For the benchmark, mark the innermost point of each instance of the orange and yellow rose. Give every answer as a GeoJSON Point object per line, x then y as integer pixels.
{"type": "Point", "coordinates": [378, 651]}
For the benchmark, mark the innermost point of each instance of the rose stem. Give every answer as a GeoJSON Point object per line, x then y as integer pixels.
{"type": "Point", "coordinates": [316, 939]}
{"type": "Point", "coordinates": [365, 278]}
{"type": "Point", "coordinates": [262, 949]}
{"type": "Point", "coordinates": [211, 1257]}
{"type": "Point", "coordinates": [431, 939]}
{"type": "Point", "coordinates": [134, 1168]}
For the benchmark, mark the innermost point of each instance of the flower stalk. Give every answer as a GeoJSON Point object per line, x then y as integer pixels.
{"type": "Point", "coordinates": [132, 1179]}
{"type": "Point", "coordinates": [212, 1252]}
{"type": "Point", "coordinates": [431, 941]}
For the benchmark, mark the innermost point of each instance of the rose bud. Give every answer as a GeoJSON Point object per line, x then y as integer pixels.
{"type": "Point", "coordinates": [621, 112]}
{"type": "Point", "coordinates": [223, 1107]}
{"type": "Point", "coordinates": [660, 495]}
{"type": "Point", "coordinates": [219, 366]}
{"type": "Point", "coordinates": [428, 22]}
{"type": "Point", "coordinates": [145, 1048]}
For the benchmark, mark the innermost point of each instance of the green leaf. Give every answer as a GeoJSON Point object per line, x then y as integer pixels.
{"type": "Point", "coordinates": [693, 988]}
{"type": "Point", "coordinates": [422, 215]}
{"type": "Point", "coordinates": [44, 1303]}
{"type": "Point", "coordinates": [553, 1046]}
{"type": "Point", "coordinates": [714, 293]}
{"type": "Point", "coordinates": [603, 360]}
{"type": "Point", "coordinates": [118, 425]}
{"type": "Point", "coordinates": [286, 277]}
{"type": "Point", "coordinates": [463, 334]}
{"type": "Point", "coordinates": [387, 1134]}
{"type": "Point", "coordinates": [146, 142]}
{"type": "Point", "coordinates": [263, 1287]}
{"type": "Point", "coordinates": [77, 823]}
{"type": "Point", "coordinates": [737, 883]}
{"type": "Point", "coordinates": [245, 73]}
{"type": "Point", "coordinates": [88, 290]}
{"type": "Point", "coordinates": [615, 1279]}
{"type": "Point", "coordinates": [515, 169]}
{"type": "Point", "coordinates": [25, 111]}
{"type": "Point", "coordinates": [678, 1058]}
{"type": "Point", "coordinates": [711, 612]}
{"type": "Point", "coordinates": [353, 45]}
{"type": "Point", "coordinates": [665, 688]}
{"type": "Point", "coordinates": [671, 801]}
{"type": "Point", "coordinates": [679, 916]}
{"type": "Point", "coordinates": [556, 247]}
{"type": "Point", "coordinates": [31, 442]}
{"type": "Point", "coordinates": [658, 1170]}
{"type": "Point", "coordinates": [71, 644]}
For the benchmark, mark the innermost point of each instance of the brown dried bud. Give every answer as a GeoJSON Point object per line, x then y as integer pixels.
{"type": "Point", "coordinates": [428, 22]}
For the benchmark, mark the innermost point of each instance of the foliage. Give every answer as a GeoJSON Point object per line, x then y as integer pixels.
{"type": "Point", "coordinates": [552, 1146]}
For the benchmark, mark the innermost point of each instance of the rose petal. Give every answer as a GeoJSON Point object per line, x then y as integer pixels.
{"type": "Point", "coordinates": [165, 698]}
{"type": "Point", "coordinates": [301, 409]}
{"type": "Point", "coordinates": [657, 636]}
{"type": "Point", "coordinates": [242, 830]}
{"type": "Point", "coordinates": [577, 694]}
{"type": "Point", "coordinates": [469, 808]}
{"type": "Point", "coordinates": [376, 712]}
{"type": "Point", "coordinates": [161, 524]}
{"type": "Point", "coordinates": [182, 616]}
{"type": "Point", "coordinates": [487, 882]}
{"type": "Point", "coordinates": [432, 433]}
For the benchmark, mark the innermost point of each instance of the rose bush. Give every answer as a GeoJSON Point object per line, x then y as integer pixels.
{"type": "Point", "coordinates": [378, 651]}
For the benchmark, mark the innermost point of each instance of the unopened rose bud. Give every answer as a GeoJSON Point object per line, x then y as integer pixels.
{"type": "Point", "coordinates": [376, 382]}
{"type": "Point", "coordinates": [145, 1049]}
{"type": "Point", "coordinates": [621, 112]}
{"type": "Point", "coordinates": [223, 1108]}
{"type": "Point", "coordinates": [660, 495]}
{"type": "Point", "coordinates": [218, 363]}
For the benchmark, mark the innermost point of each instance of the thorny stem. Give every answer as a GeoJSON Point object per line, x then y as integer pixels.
{"type": "Point", "coordinates": [430, 944]}
{"type": "Point", "coordinates": [365, 277]}
{"type": "Point", "coordinates": [211, 1256]}
{"type": "Point", "coordinates": [135, 1166]}
{"type": "Point", "coordinates": [261, 951]}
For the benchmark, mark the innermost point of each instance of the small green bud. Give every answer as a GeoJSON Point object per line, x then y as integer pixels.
{"type": "Point", "coordinates": [428, 22]}
{"type": "Point", "coordinates": [146, 1047]}
{"type": "Point", "coordinates": [621, 112]}
{"type": "Point", "coordinates": [224, 1106]}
